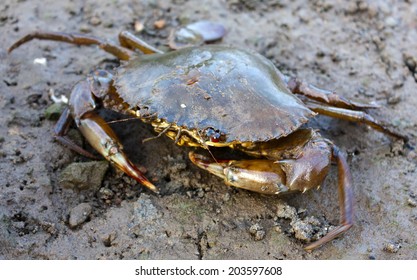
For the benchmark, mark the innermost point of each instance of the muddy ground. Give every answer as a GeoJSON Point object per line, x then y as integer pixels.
{"type": "Point", "coordinates": [365, 50]}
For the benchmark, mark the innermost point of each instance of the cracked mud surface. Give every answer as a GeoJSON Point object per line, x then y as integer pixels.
{"type": "Point", "coordinates": [364, 50]}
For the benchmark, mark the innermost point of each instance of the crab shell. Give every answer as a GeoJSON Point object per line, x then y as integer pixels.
{"type": "Point", "coordinates": [239, 93]}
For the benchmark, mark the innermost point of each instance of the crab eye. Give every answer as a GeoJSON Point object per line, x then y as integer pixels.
{"type": "Point", "coordinates": [214, 135]}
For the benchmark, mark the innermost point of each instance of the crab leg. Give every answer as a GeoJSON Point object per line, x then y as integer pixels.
{"type": "Point", "coordinates": [329, 97]}
{"type": "Point", "coordinates": [307, 170]}
{"type": "Point", "coordinates": [61, 130]}
{"type": "Point", "coordinates": [345, 187]}
{"type": "Point", "coordinates": [130, 41]}
{"type": "Point", "coordinates": [76, 39]}
{"type": "Point", "coordinates": [354, 116]}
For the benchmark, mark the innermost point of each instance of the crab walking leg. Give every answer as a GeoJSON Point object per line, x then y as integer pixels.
{"type": "Point", "coordinates": [76, 39]}
{"type": "Point", "coordinates": [345, 201]}
{"type": "Point", "coordinates": [61, 130]}
{"type": "Point", "coordinates": [302, 173]}
{"type": "Point", "coordinates": [329, 97]}
{"type": "Point", "coordinates": [130, 41]}
{"type": "Point", "coordinates": [354, 116]}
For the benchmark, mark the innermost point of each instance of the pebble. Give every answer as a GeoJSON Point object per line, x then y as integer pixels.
{"type": "Point", "coordinates": [138, 26]}
{"type": "Point", "coordinates": [257, 232]}
{"type": "Point", "coordinates": [305, 15]}
{"type": "Point", "coordinates": [392, 247]}
{"type": "Point", "coordinates": [159, 24]}
{"type": "Point", "coordinates": [286, 212]}
{"type": "Point", "coordinates": [410, 62]}
{"type": "Point", "coordinates": [394, 98]}
{"type": "Point", "coordinates": [278, 229]}
{"type": "Point", "coordinates": [106, 193]}
{"type": "Point", "coordinates": [200, 194]}
{"type": "Point", "coordinates": [108, 240]}
{"type": "Point", "coordinates": [411, 155]}
{"type": "Point", "coordinates": [226, 197]}
{"type": "Point", "coordinates": [79, 214]}
{"type": "Point", "coordinates": [95, 20]}
{"type": "Point", "coordinates": [83, 175]}
{"type": "Point", "coordinates": [391, 22]}
{"type": "Point", "coordinates": [54, 111]}
{"type": "Point", "coordinates": [302, 230]}
{"type": "Point", "coordinates": [85, 28]}
{"type": "Point", "coordinates": [411, 202]}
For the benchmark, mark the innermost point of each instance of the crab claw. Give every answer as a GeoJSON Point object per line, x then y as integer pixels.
{"type": "Point", "coordinates": [216, 168]}
{"type": "Point", "coordinates": [102, 138]}
{"type": "Point", "coordinates": [120, 160]}
{"type": "Point", "coordinates": [262, 176]}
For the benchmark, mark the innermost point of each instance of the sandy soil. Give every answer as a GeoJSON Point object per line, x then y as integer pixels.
{"type": "Point", "coordinates": [364, 50]}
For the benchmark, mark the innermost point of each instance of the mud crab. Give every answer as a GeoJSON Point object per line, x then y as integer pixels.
{"type": "Point", "coordinates": [215, 96]}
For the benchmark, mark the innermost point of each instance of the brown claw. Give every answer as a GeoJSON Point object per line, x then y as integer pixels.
{"type": "Point", "coordinates": [102, 138]}
{"type": "Point", "coordinates": [119, 159]}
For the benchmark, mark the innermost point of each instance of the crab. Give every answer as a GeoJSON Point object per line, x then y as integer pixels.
{"type": "Point", "coordinates": [215, 96]}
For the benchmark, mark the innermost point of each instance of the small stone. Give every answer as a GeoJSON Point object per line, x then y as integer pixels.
{"type": "Point", "coordinates": [159, 24]}
{"type": "Point", "coordinates": [54, 111]}
{"type": "Point", "coordinates": [397, 147]}
{"type": "Point", "coordinates": [106, 193]}
{"type": "Point", "coordinates": [305, 15]}
{"type": "Point", "coordinates": [226, 197]}
{"type": "Point", "coordinates": [411, 202]}
{"type": "Point", "coordinates": [393, 99]}
{"type": "Point", "coordinates": [79, 214]}
{"type": "Point", "coordinates": [391, 22]}
{"type": "Point", "coordinates": [392, 247]}
{"type": "Point", "coordinates": [40, 60]}
{"type": "Point", "coordinates": [410, 62]}
{"type": "Point", "coordinates": [286, 212]}
{"type": "Point", "coordinates": [260, 234]}
{"type": "Point", "coordinates": [411, 155]}
{"type": "Point", "coordinates": [108, 240]}
{"type": "Point", "coordinates": [257, 232]}
{"type": "Point", "coordinates": [277, 229]}
{"type": "Point", "coordinates": [83, 175]}
{"type": "Point", "coordinates": [85, 29]}
{"type": "Point", "coordinates": [138, 26]}
{"type": "Point", "coordinates": [303, 231]}
{"type": "Point", "coordinates": [200, 194]}
{"type": "Point", "coordinates": [308, 229]}
{"type": "Point", "coordinates": [95, 20]}
{"type": "Point", "coordinates": [364, 92]}
{"type": "Point", "coordinates": [351, 8]}
{"type": "Point", "coordinates": [363, 6]}
{"type": "Point", "coordinates": [49, 228]}
{"type": "Point", "coordinates": [399, 83]}
{"type": "Point", "coordinates": [189, 194]}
